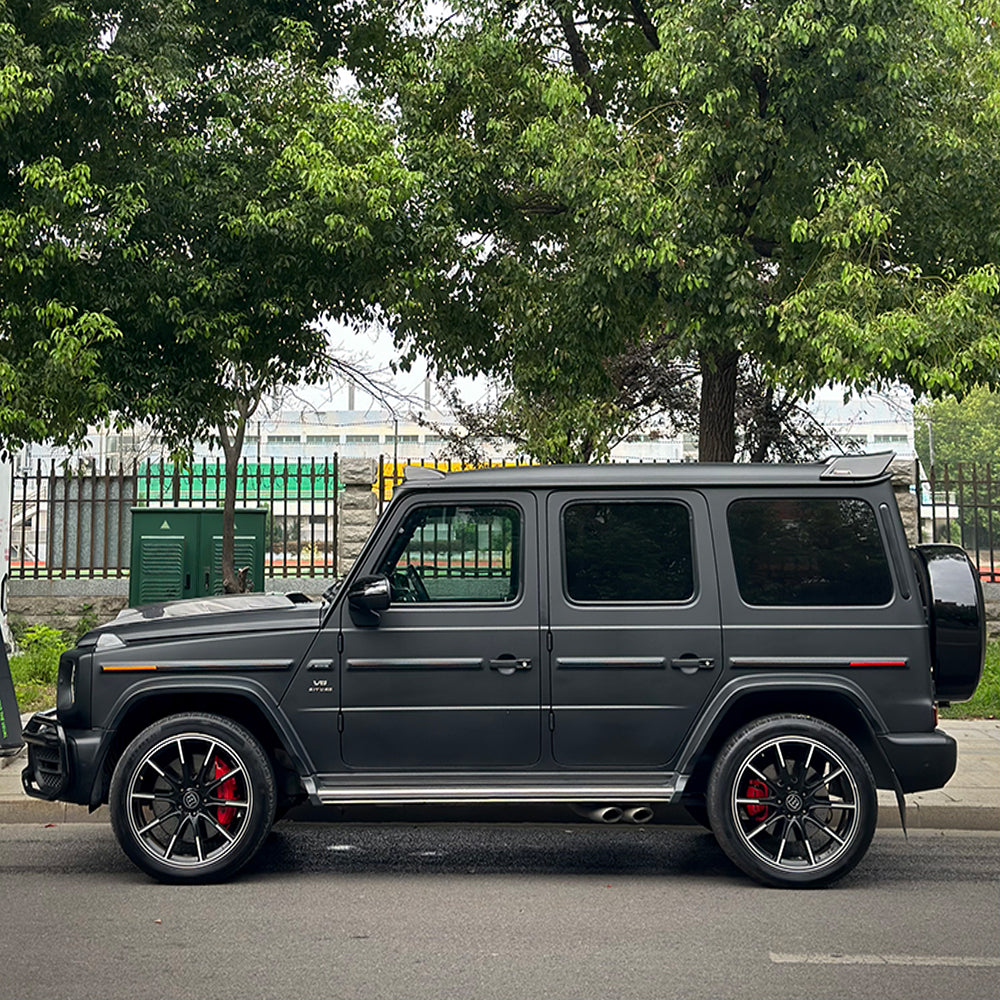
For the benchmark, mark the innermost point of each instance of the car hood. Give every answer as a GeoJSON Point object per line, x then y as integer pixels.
{"type": "Point", "coordinates": [203, 615]}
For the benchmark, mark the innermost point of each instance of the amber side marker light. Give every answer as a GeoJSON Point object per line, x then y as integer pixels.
{"type": "Point", "coordinates": [136, 666]}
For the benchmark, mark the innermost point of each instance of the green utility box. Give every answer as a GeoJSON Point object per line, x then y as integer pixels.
{"type": "Point", "coordinates": [177, 552]}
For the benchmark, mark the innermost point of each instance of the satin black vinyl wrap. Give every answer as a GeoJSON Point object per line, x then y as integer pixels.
{"type": "Point", "coordinates": [62, 764]}
{"type": "Point", "coordinates": [921, 760]}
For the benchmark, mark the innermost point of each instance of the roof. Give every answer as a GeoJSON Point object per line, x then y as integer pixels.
{"type": "Point", "coordinates": [852, 468]}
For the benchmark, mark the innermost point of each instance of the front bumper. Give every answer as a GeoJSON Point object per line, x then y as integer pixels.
{"type": "Point", "coordinates": [921, 760]}
{"type": "Point", "coordinates": [62, 764]}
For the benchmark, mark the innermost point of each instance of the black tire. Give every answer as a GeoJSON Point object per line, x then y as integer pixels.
{"type": "Point", "coordinates": [174, 811]}
{"type": "Point", "coordinates": [792, 801]}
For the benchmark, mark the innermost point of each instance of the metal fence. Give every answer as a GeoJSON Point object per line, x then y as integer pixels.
{"type": "Point", "coordinates": [67, 524]}
{"type": "Point", "coordinates": [390, 473]}
{"type": "Point", "coordinates": [77, 524]}
{"type": "Point", "coordinates": [960, 504]}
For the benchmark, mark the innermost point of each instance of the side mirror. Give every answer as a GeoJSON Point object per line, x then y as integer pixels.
{"type": "Point", "coordinates": [367, 597]}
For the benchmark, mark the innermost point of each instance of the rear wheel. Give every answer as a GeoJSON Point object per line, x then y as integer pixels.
{"type": "Point", "coordinates": [792, 801]}
{"type": "Point", "coordinates": [192, 798]}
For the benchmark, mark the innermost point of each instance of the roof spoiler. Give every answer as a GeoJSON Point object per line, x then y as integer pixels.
{"type": "Point", "coordinates": [857, 466]}
{"type": "Point", "coordinates": [421, 473]}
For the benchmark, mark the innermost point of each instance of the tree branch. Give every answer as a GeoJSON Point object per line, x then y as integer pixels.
{"type": "Point", "coordinates": [759, 79]}
{"type": "Point", "coordinates": [643, 20]}
{"type": "Point", "coordinates": [580, 62]}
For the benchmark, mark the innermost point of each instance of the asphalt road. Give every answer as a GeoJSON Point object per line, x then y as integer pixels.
{"type": "Point", "coordinates": [495, 911]}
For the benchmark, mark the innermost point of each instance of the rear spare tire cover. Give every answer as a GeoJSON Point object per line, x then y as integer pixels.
{"type": "Point", "coordinates": [954, 599]}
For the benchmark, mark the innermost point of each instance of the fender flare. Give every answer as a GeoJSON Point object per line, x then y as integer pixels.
{"type": "Point", "coordinates": [248, 689]}
{"type": "Point", "coordinates": [731, 693]}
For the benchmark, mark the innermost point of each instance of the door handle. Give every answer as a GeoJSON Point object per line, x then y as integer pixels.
{"type": "Point", "coordinates": [508, 663]}
{"type": "Point", "coordinates": [689, 663]}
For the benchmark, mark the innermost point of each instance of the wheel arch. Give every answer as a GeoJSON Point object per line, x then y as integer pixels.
{"type": "Point", "coordinates": [247, 703]}
{"type": "Point", "coordinates": [832, 700]}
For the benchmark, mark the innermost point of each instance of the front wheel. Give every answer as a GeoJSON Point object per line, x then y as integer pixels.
{"type": "Point", "coordinates": [192, 798]}
{"type": "Point", "coordinates": [792, 801]}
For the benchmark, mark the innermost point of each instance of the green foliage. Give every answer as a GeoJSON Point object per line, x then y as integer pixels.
{"type": "Point", "coordinates": [35, 667]}
{"type": "Point", "coordinates": [184, 193]}
{"type": "Point", "coordinates": [965, 462]}
{"type": "Point", "coordinates": [963, 430]}
{"type": "Point", "coordinates": [807, 186]}
{"type": "Point", "coordinates": [185, 190]}
{"type": "Point", "coordinates": [86, 622]}
{"type": "Point", "coordinates": [985, 702]}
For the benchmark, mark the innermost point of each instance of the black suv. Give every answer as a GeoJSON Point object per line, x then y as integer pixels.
{"type": "Point", "coordinates": [753, 642]}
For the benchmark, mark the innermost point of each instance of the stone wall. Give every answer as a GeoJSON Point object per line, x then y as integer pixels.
{"type": "Point", "coordinates": [63, 612]}
{"type": "Point", "coordinates": [358, 509]}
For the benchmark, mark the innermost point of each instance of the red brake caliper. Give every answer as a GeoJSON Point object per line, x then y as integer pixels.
{"type": "Point", "coordinates": [227, 790]}
{"type": "Point", "coordinates": [756, 789]}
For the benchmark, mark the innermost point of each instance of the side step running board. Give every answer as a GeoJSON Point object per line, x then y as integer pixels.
{"type": "Point", "coordinates": [446, 789]}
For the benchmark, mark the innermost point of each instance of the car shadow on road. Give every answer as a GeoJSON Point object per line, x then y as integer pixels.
{"type": "Point", "coordinates": [509, 849]}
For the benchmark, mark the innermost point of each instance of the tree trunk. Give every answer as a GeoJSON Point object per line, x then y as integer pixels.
{"type": "Point", "coordinates": [233, 581]}
{"type": "Point", "coordinates": [717, 412]}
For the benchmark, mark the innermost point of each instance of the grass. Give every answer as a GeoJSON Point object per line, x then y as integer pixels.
{"type": "Point", "coordinates": [34, 669]}
{"type": "Point", "coordinates": [985, 703]}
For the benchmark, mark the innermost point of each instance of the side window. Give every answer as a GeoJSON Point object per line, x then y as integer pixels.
{"type": "Point", "coordinates": [808, 552]}
{"type": "Point", "coordinates": [628, 551]}
{"type": "Point", "coordinates": [462, 552]}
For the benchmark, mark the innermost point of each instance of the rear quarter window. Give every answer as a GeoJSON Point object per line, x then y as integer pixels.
{"type": "Point", "coordinates": [808, 552]}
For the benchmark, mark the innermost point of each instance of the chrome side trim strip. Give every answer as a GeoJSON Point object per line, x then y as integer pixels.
{"type": "Point", "coordinates": [823, 662]}
{"type": "Point", "coordinates": [613, 708]}
{"type": "Point", "coordinates": [533, 707]}
{"type": "Point", "coordinates": [207, 665]}
{"type": "Point", "coordinates": [453, 663]}
{"type": "Point", "coordinates": [611, 662]}
{"type": "Point", "coordinates": [823, 625]}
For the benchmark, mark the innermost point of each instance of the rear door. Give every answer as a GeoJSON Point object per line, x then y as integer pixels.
{"type": "Point", "coordinates": [634, 624]}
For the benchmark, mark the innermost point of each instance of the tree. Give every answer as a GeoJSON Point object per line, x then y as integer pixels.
{"type": "Point", "coordinates": [186, 196]}
{"type": "Point", "coordinates": [949, 431]}
{"type": "Point", "coordinates": [781, 180]}
{"type": "Point", "coordinates": [271, 205]}
{"type": "Point", "coordinates": [552, 425]}
{"type": "Point", "coordinates": [57, 210]}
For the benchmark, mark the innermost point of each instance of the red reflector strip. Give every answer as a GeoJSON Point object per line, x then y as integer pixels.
{"type": "Point", "coordinates": [878, 663]}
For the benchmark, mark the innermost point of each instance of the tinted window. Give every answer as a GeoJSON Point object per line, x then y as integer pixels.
{"type": "Point", "coordinates": [628, 552]}
{"type": "Point", "coordinates": [465, 552]}
{"type": "Point", "coordinates": [808, 552]}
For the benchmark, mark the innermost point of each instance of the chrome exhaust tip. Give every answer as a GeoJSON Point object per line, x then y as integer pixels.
{"type": "Point", "coordinates": [598, 813]}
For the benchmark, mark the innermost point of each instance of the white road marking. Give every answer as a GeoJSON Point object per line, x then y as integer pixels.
{"type": "Point", "coordinates": [958, 961]}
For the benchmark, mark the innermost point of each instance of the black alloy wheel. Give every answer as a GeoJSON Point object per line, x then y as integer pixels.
{"type": "Point", "coordinates": [792, 801]}
{"type": "Point", "coordinates": [192, 798]}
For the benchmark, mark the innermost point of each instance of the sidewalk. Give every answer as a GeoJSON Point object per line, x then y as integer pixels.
{"type": "Point", "coordinates": [970, 801]}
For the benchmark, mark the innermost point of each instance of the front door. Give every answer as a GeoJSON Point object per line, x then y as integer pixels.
{"type": "Point", "coordinates": [449, 677]}
{"type": "Point", "coordinates": [634, 620]}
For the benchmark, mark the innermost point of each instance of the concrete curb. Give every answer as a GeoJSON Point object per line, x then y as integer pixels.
{"type": "Point", "coordinates": [921, 816]}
